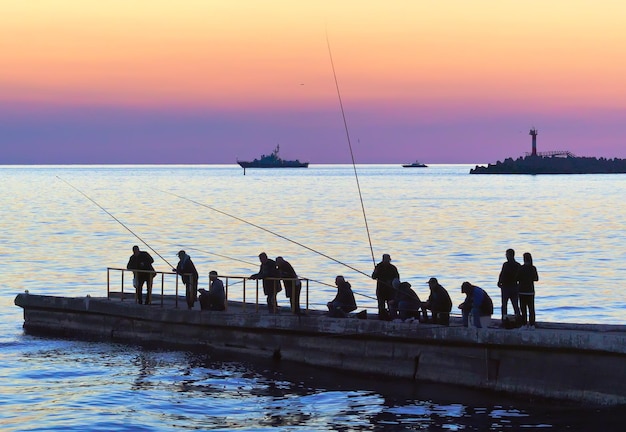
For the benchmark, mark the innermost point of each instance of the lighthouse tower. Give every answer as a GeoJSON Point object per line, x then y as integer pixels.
{"type": "Point", "coordinates": [533, 132]}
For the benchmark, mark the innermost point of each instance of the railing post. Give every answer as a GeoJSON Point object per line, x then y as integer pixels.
{"type": "Point", "coordinates": [122, 289]}
{"type": "Point", "coordinates": [307, 295]}
{"type": "Point", "coordinates": [244, 294]}
{"type": "Point", "coordinates": [257, 296]}
{"type": "Point", "coordinates": [108, 282]}
{"type": "Point", "coordinates": [162, 287]}
{"type": "Point", "coordinates": [176, 296]}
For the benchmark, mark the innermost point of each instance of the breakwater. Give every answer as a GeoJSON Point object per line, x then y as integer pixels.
{"type": "Point", "coordinates": [573, 362]}
{"type": "Point", "coordinates": [534, 164]}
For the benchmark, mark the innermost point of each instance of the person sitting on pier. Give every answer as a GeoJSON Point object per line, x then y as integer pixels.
{"type": "Point", "coordinates": [189, 275]}
{"type": "Point", "coordinates": [384, 273]}
{"type": "Point", "coordinates": [439, 303]}
{"type": "Point", "coordinates": [268, 272]}
{"type": "Point", "coordinates": [215, 298]}
{"type": "Point", "coordinates": [406, 303]}
{"type": "Point", "coordinates": [141, 264]}
{"type": "Point", "coordinates": [478, 304]}
{"type": "Point", "coordinates": [344, 302]}
{"type": "Point", "coordinates": [292, 283]}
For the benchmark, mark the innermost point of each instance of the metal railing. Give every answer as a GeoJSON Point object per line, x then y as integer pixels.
{"type": "Point", "coordinates": [172, 287]}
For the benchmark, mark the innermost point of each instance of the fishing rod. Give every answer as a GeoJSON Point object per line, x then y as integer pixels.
{"type": "Point", "coordinates": [116, 219]}
{"type": "Point", "coordinates": [345, 124]}
{"type": "Point", "coordinates": [266, 230]}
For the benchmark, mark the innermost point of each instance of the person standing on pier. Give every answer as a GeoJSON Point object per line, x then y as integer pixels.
{"type": "Point", "coordinates": [141, 264]}
{"type": "Point", "coordinates": [527, 276]}
{"type": "Point", "coordinates": [271, 282]}
{"type": "Point", "coordinates": [508, 284]}
{"type": "Point", "coordinates": [291, 283]}
{"type": "Point", "coordinates": [384, 273]}
{"type": "Point", "coordinates": [189, 275]}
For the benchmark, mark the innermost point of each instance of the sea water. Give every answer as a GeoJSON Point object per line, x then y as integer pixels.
{"type": "Point", "coordinates": [62, 226]}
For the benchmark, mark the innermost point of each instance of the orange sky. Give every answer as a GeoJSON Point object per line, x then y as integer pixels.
{"type": "Point", "coordinates": [447, 56]}
{"type": "Point", "coordinates": [248, 52]}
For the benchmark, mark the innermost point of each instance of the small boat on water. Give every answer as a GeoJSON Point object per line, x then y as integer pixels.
{"type": "Point", "coordinates": [416, 164]}
{"type": "Point", "coordinates": [273, 160]}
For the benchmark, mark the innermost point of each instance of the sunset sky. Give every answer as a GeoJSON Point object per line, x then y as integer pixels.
{"type": "Point", "coordinates": [210, 81]}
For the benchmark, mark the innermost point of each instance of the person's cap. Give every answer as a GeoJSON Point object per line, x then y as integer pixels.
{"type": "Point", "coordinates": [181, 253]}
{"type": "Point", "coordinates": [465, 287]}
{"type": "Point", "coordinates": [386, 257]}
{"type": "Point", "coordinates": [433, 281]}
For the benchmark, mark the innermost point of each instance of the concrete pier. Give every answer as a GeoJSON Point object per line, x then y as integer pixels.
{"type": "Point", "coordinates": [573, 362]}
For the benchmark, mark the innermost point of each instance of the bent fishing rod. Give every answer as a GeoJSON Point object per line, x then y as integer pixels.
{"type": "Point", "coordinates": [252, 264]}
{"type": "Point", "coordinates": [266, 230]}
{"type": "Point", "coordinates": [345, 124]}
{"type": "Point", "coordinates": [116, 219]}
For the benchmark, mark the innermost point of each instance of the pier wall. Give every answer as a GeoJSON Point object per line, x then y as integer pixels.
{"type": "Point", "coordinates": [581, 363]}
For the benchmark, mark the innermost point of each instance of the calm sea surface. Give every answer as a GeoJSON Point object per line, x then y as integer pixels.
{"type": "Point", "coordinates": [438, 221]}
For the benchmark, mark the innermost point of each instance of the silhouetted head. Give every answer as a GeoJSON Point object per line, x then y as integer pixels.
{"type": "Point", "coordinates": [528, 258]}
{"type": "Point", "coordinates": [339, 280]}
{"type": "Point", "coordinates": [212, 275]}
{"type": "Point", "coordinates": [135, 249]}
{"type": "Point", "coordinates": [280, 260]}
{"type": "Point", "coordinates": [181, 253]}
{"type": "Point", "coordinates": [386, 258]}
{"type": "Point", "coordinates": [467, 288]}
{"type": "Point", "coordinates": [510, 254]}
{"type": "Point", "coordinates": [262, 257]}
{"type": "Point", "coordinates": [433, 282]}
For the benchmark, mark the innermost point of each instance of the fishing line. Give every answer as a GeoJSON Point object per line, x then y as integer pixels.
{"type": "Point", "coordinates": [116, 219]}
{"type": "Point", "coordinates": [345, 124]}
{"type": "Point", "coordinates": [267, 231]}
{"type": "Point", "coordinates": [211, 253]}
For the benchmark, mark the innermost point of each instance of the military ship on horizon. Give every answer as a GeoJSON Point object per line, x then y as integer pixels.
{"type": "Point", "coordinates": [553, 162]}
{"type": "Point", "coordinates": [272, 160]}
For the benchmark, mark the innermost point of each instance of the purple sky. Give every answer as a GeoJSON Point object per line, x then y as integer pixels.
{"type": "Point", "coordinates": [118, 136]}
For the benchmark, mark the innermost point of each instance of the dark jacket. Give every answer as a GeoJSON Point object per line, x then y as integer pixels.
{"type": "Point", "coordinates": [345, 297]}
{"type": "Point", "coordinates": [184, 268]}
{"type": "Point", "coordinates": [481, 302]}
{"type": "Point", "coordinates": [526, 276]}
{"type": "Point", "coordinates": [286, 270]}
{"type": "Point", "coordinates": [439, 299]}
{"type": "Point", "coordinates": [508, 274]}
{"type": "Point", "coordinates": [385, 273]}
{"type": "Point", "coordinates": [406, 294]}
{"type": "Point", "coordinates": [268, 269]}
{"type": "Point", "coordinates": [141, 261]}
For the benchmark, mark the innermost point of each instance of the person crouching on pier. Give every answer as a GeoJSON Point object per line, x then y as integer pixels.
{"type": "Point", "coordinates": [215, 298]}
{"type": "Point", "coordinates": [406, 303]}
{"type": "Point", "coordinates": [478, 304]}
{"type": "Point", "coordinates": [344, 302]}
{"type": "Point", "coordinates": [439, 303]}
